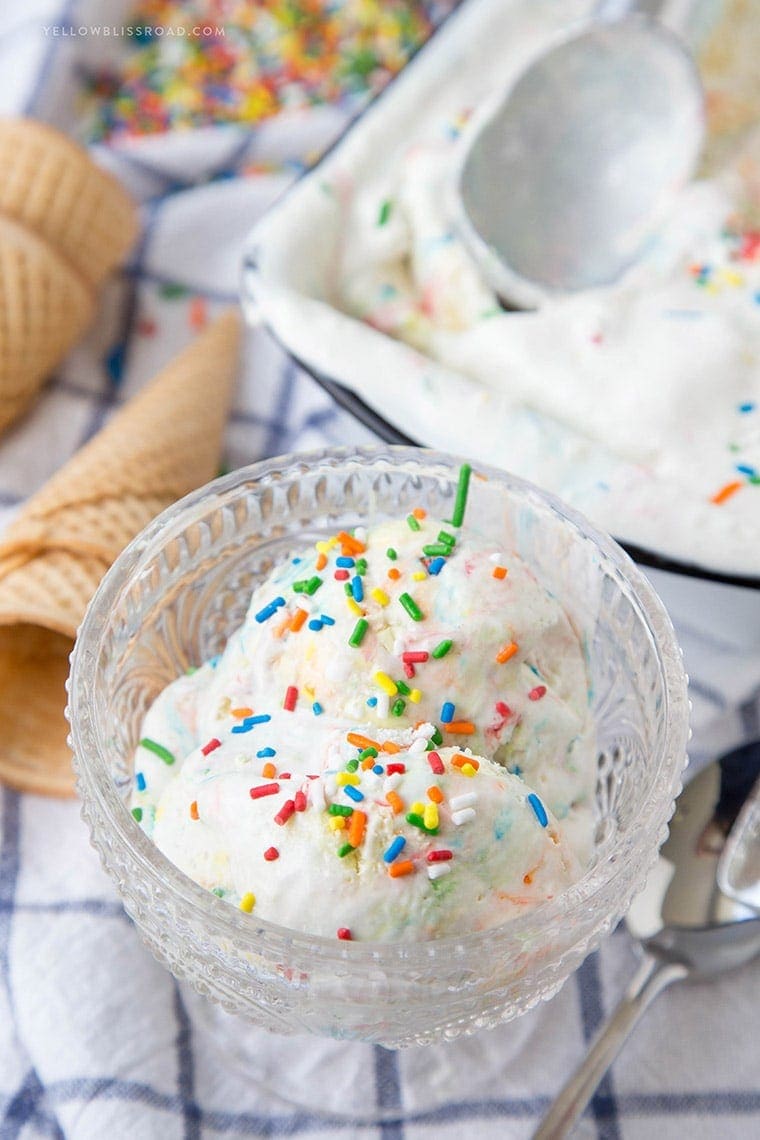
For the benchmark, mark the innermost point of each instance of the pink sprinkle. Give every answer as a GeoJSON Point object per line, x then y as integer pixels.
{"type": "Point", "coordinates": [409, 669]}
{"type": "Point", "coordinates": [415, 657]}
{"type": "Point", "coordinates": [271, 854]}
{"type": "Point", "coordinates": [300, 801]}
{"type": "Point", "coordinates": [264, 790]}
{"type": "Point", "coordinates": [440, 856]}
{"type": "Point", "coordinates": [341, 575]}
{"type": "Point", "coordinates": [537, 693]}
{"type": "Point", "coordinates": [344, 933]}
{"type": "Point", "coordinates": [503, 709]}
{"type": "Point", "coordinates": [291, 697]}
{"type": "Point", "coordinates": [285, 812]}
{"type": "Point", "coordinates": [212, 744]}
{"type": "Point", "coordinates": [390, 769]}
{"type": "Point", "coordinates": [435, 763]}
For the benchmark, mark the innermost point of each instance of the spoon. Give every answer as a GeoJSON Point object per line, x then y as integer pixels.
{"type": "Point", "coordinates": [686, 927]}
{"type": "Point", "coordinates": [739, 865]}
{"type": "Point", "coordinates": [566, 177]}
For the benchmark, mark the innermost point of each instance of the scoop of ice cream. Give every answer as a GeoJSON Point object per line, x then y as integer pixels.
{"type": "Point", "coordinates": [417, 621]}
{"type": "Point", "coordinates": [387, 838]}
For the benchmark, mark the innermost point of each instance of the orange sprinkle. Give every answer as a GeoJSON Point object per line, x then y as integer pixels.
{"type": "Point", "coordinates": [400, 867]}
{"type": "Point", "coordinates": [419, 513]}
{"type": "Point", "coordinates": [507, 652]}
{"type": "Point", "coordinates": [349, 544]}
{"type": "Point", "coordinates": [269, 771]}
{"type": "Point", "coordinates": [499, 572]}
{"type": "Point", "coordinates": [361, 741]}
{"type": "Point", "coordinates": [194, 810]}
{"type": "Point", "coordinates": [321, 561]}
{"type": "Point", "coordinates": [298, 618]}
{"type": "Point", "coordinates": [435, 794]}
{"type": "Point", "coordinates": [394, 799]}
{"type": "Point", "coordinates": [240, 713]}
{"type": "Point", "coordinates": [394, 573]}
{"type": "Point", "coordinates": [462, 727]}
{"type": "Point", "coordinates": [726, 492]}
{"type": "Point", "coordinates": [460, 760]}
{"type": "Point", "coordinates": [528, 879]}
{"type": "Point", "coordinates": [356, 827]}
{"type": "Point", "coordinates": [390, 747]}
{"type": "Point", "coordinates": [197, 315]}
{"type": "Point", "coordinates": [282, 627]}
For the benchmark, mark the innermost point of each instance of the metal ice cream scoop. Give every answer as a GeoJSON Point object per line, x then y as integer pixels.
{"type": "Point", "coordinates": [567, 175]}
{"type": "Point", "coordinates": [686, 926]}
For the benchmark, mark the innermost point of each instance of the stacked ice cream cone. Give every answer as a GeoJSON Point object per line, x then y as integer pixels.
{"type": "Point", "coordinates": [161, 445]}
{"type": "Point", "coordinates": [64, 225]}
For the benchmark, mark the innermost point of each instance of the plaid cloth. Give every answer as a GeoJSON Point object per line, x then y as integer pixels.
{"type": "Point", "coordinates": [95, 1037]}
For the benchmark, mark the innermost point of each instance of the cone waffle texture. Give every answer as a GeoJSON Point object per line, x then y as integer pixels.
{"type": "Point", "coordinates": [50, 185]}
{"type": "Point", "coordinates": [44, 309]}
{"type": "Point", "coordinates": [161, 445]}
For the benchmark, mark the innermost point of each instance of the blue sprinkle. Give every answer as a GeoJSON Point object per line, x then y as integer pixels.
{"type": "Point", "coordinates": [326, 620]}
{"type": "Point", "coordinates": [746, 469]}
{"type": "Point", "coordinates": [378, 769]}
{"type": "Point", "coordinates": [244, 727]}
{"type": "Point", "coordinates": [748, 406]}
{"type": "Point", "coordinates": [140, 781]}
{"type": "Point", "coordinates": [263, 753]}
{"type": "Point", "coordinates": [317, 709]}
{"type": "Point", "coordinates": [215, 661]}
{"type": "Point", "coordinates": [447, 712]}
{"type": "Point", "coordinates": [395, 849]}
{"type": "Point", "coordinates": [269, 610]}
{"type": "Point", "coordinates": [315, 624]}
{"type": "Point", "coordinates": [538, 808]}
{"type": "Point", "coordinates": [296, 561]}
{"type": "Point", "coordinates": [436, 565]}
{"type": "Point", "coordinates": [344, 562]}
{"type": "Point", "coordinates": [250, 721]}
{"type": "Point", "coordinates": [277, 602]}
{"type": "Point", "coordinates": [357, 589]}
{"type": "Point", "coordinates": [371, 702]}
{"type": "Point", "coordinates": [353, 793]}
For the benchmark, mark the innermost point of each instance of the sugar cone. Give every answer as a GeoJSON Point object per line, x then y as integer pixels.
{"type": "Point", "coordinates": [44, 308]}
{"type": "Point", "coordinates": [51, 186]}
{"type": "Point", "coordinates": [161, 445]}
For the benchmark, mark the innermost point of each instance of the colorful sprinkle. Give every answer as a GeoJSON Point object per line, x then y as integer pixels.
{"type": "Point", "coordinates": [538, 693]}
{"type": "Point", "coordinates": [357, 637]}
{"type": "Point", "coordinates": [507, 653]}
{"type": "Point", "coordinates": [447, 712]}
{"type": "Point", "coordinates": [391, 553]}
{"type": "Point", "coordinates": [345, 849]}
{"type": "Point", "coordinates": [353, 793]}
{"type": "Point", "coordinates": [248, 902]}
{"type": "Point", "coordinates": [264, 790]}
{"type": "Point", "coordinates": [271, 854]}
{"type": "Point", "coordinates": [460, 501]}
{"type": "Point", "coordinates": [379, 596]}
{"type": "Point", "coordinates": [356, 828]}
{"type": "Point", "coordinates": [441, 649]}
{"type": "Point", "coordinates": [412, 523]}
{"type": "Point", "coordinates": [344, 934]}
{"type": "Point", "coordinates": [386, 683]}
{"type": "Point", "coordinates": [140, 781]}
{"type": "Point", "coordinates": [499, 572]}
{"type": "Point", "coordinates": [211, 746]}
{"type": "Point", "coordinates": [436, 764]}
{"type": "Point", "coordinates": [394, 849]}
{"type": "Point", "coordinates": [435, 566]}
{"type": "Point", "coordinates": [157, 750]}
{"type": "Point", "coordinates": [397, 870]}
{"type": "Point", "coordinates": [137, 812]}
{"type": "Point", "coordinates": [194, 810]}
{"type": "Point", "coordinates": [538, 809]}
{"type": "Point", "coordinates": [411, 607]}
{"type": "Point", "coordinates": [461, 727]}
{"type": "Point", "coordinates": [726, 492]}
{"type": "Point", "coordinates": [291, 698]}
{"type": "Point", "coordinates": [285, 812]}
{"type": "Point", "coordinates": [394, 799]}
{"type": "Point", "coordinates": [442, 855]}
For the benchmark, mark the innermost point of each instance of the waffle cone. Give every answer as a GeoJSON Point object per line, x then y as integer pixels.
{"type": "Point", "coordinates": [44, 308]}
{"type": "Point", "coordinates": [51, 186]}
{"type": "Point", "coordinates": [161, 445]}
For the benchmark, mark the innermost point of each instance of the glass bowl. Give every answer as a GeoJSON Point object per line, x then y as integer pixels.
{"type": "Point", "coordinates": [171, 600]}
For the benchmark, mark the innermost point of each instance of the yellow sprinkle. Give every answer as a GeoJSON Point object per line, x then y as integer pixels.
{"type": "Point", "coordinates": [731, 277]}
{"type": "Point", "coordinates": [430, 815]}
{"type": "Point", "coordinates": [321, 547]}
{"type": "Point", "coordinates": [419, 576]}
{"type": "Point", "coordinates": [380, 596]}
{"type": "Point", "coordinates": [336, 822]}
{"type": "Point", "coordinates": [354, 607]}
{"type": "Point", "coordinates": [415, 696]}
{"type": "Point", "coordinates": [248, 902]}
{"type": "Point", "coordinates": [468, 770]}
{"type": "Point", "coordinates": [386, 683]}
{"type": "Point", "coordinates": [344, 778]}
{"type": "Point", "coordinates": [417, 807]}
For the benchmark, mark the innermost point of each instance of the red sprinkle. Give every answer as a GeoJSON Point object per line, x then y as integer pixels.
{"type": "Point", "coordinates": [291, 697]}
{"type": "Point", "coordinates": [390, 769]}
{"type": "Point", "coordinates": [537, 693]}
{"type": "Point", "coordinates": [341, 575]}
{"type": "Point", "coordinates": [503, 709]}
{"type": "Point", "coordinates": [285, 812]}
{"type": "Point", "coordinates": [435, 763]}
{"type": "Point", "coordinates": [300, 801]}
{"type": "Point", "coordinates": [212, 744]}
{"type": "Point", "coordinates": [264, 790]}
{"type": "Point", "coordinates": [415, 657]}
{"type": "Point", "coordinates": [440, 856]}
{"type": "Point", "coordinates": [344, 933]}
{"type": "Point", "coordinates": [284, 775]}
{"type": "Point", "coordinates": [409, 669]}
{"type": "Point", "coordinates": [271, 854]}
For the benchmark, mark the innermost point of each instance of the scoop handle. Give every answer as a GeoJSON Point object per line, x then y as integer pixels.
{"type": "Point", "coordinates": [653, 975]}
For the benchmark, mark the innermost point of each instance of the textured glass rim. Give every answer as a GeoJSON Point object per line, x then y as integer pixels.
{"type": "Point", "coordinates": [252, 934]}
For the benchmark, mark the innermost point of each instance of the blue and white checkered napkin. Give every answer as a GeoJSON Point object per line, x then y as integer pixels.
{"type": "Point", "coordinates": [95, 1037]}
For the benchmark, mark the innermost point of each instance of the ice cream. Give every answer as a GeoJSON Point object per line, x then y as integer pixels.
{"type": "Point", "coordinates": [402, 703]}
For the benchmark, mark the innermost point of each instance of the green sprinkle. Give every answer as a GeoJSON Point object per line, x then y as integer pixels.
{"type": "Point", "coordinates": [403, 688]}
{"type": "Point", "coordinates": [170, 291]}
{"type": "Point", "coordinates": [158, 749]}
{"type": "Point", "coordinates": [391, 553]}
{"type": "Point", "coordinates": [385, 212]}
{"type": "Point", "coordinates": [418, 821]}
{"type": "Point", "coordinates": [313, 585]}
{"type": "Point", "coordinates": [219, 892]}
{"type": "Point", "coordinates": [347, 590]}
{"type": "Point", "coordinates": [357, 637]}
{"type": "Point", "coordinates": [754, 480]}
{"type": "Point", "coordinates": [352, 765]}
{"type": "Point", "coordinates": [413, 523]}
{"type": "Point", "coordinates": [361, 566]}
{"type": "Point", "coordinates": [398, 706]}
{"type": "Point", "coordinates": [189, 672]}
{"type": "Point", "coordinates": [441, 649]}
{"type": "Point", "coordinates": [411, 607]}
{"type": "Point", "coordinates": [461, 497]}
{"type": "Point", "coordinates": [436, 549]}
{"type": "Point", "coordinates": [137, 813]}
{"type": "Point", "coordinates": [436, 737]}
{"type": "Point", "coordinates": [444, 536]}
{"type": "Point", "coordinates": [340, 809]}
{"type": "Point", "coordinates": [344, 849]}
{"type": "Point", "coordinates": [365, 755]}
{"type": "Point", "coordinates": [300, 587]}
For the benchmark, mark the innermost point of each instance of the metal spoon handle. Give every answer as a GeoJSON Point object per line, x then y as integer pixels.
{"type": "Point", "coordinates": [653, 975]}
